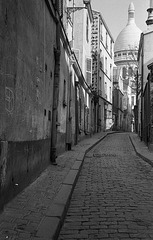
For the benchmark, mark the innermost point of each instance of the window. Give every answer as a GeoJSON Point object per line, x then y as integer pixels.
{"type": "Point", "coordinates": [101, 32]}
{"type": "Point", "coordinates": [110, 70]}
{"type": "Point", "coordinates": [64, 94]}
{"type": "Point", "coordinates": [87, 30]}
{"type": "Point", "coordinates": [106, 90]}
{"type": "Point", "coordinates": [106, 65]}
{"type": "Point", "coordinates": [132, 101]}
{"type": "Point", "coordinates": [110, 93]}
{"type": "Point", "coordinates": [124, 72]}
{"type": "Point", "coordinates": [100, 85]}
{"type": "Point", "coordinates": [135, 70]}
{"type": "Point", "coordinates": [88, 70]}
{"type": "Point", "coordinates": [106, 40]}
{"type": "Point", "coordinates": [49, 115]}
{"type": "Point", "coordinates": [111, 47]}
{"type": "Point", "coordinates": [130, 71]}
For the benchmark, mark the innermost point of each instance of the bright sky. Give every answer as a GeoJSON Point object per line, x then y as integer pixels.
{"type": "Point", "coordinates": [115, 13]}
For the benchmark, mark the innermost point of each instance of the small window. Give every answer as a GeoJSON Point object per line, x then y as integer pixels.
{"type": "Point", "coordinates": [130, 71]}
{"type": "Point", "coordinates": [87, 30]}
{"type": "Point", "coordinates": [124, 72]}
{"type": "Point", "coordinates": [49, 115]}
{"type": "Point", "coordinates": [132, 100]}
{"type": "Point", "coordinates": [106, 65]}
{"type": "Point", "coordinates": [106, 40]}
{"type": "Point", "coordinates": [64, 94]}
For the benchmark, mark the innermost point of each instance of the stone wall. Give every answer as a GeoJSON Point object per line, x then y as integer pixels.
{"type": "Point", "coordinates": [28, 38]}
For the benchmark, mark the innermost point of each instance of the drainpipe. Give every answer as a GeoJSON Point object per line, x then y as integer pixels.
{"type": "Point", "coordinates": [142, 90]}
{"type": "Point", "coordinates": [137, 107]}
{"type": "Point", "coordinates": [53, 154]}
{"type": "Point", "coordinates": [76, 114]}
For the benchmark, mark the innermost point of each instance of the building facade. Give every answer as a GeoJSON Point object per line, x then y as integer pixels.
{"type": "Point", "coordinates": [27, 82]}
{"type": "Point", "coordinates": [145, 59]}
{"type": "Point", "coordinates": [102, 75]}
{"type": "Point", "coordinates": [118, 95]}
{"type": "Point", "coordinates": [78, 27]}
{"type": "Point", "coordinates": [48, 94]}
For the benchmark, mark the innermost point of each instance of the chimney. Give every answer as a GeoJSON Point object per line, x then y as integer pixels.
{"type": "Point", "coordinates": [150, 14]}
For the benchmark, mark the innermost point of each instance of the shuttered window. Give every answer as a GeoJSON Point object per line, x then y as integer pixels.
{"type": "Point", "coordinates": [88, 70]}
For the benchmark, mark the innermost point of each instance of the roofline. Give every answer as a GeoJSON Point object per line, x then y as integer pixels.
{"type": "Point", "coordinates": [97, 12]}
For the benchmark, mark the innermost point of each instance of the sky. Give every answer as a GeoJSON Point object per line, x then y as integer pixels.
{"type": "Point", "coordinates": [115, 13]}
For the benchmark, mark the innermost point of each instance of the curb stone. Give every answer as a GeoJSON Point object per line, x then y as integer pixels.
{"type": "Point", "coordinates": [142, 152]}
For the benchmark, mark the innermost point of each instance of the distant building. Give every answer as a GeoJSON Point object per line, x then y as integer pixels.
{"type": "Point", "coordinates": [117, 98]}
{"type": "Point", "coordinates": [125, 57]}
{"type": "Point", "coordinates": [102, 74]}
{"type": "Point", "coordinates": [145, 88]}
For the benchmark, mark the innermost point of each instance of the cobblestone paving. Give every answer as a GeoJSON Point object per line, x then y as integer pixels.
{"type": "Point", "coordinates": [113, 198]}
{"type": "Point", "coordinates": [21, 217]}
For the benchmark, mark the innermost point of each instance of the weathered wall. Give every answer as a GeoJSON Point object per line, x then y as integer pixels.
{"type": "Point", "coordinates": [148, 54]}
{"type": "Point", "coordinates": [27, 41]}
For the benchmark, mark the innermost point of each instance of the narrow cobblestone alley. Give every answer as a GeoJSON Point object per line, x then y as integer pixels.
{"type": "Point", "coordinates": [113, 197]}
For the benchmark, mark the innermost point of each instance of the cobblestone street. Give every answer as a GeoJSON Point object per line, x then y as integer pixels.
{"type": "Point", "coordinates": [113, 198]}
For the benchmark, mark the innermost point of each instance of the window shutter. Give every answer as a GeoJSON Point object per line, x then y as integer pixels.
{"type": "Point", "coordinates": [88, 70]}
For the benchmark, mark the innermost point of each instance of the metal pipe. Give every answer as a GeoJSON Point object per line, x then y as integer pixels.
{"type": "Point", "coordinates": [55, 91]}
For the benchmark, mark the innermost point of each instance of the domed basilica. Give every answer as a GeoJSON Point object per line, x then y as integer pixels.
{"type": "Point", "coordinates": [125, 59]}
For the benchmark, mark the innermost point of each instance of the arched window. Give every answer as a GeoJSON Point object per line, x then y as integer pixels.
{"type": "Point", "coordinates": [124, 72]}
{"type": "Point", "coordinates": [130, 71]}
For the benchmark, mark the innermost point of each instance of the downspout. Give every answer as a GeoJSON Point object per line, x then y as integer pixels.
{"type": "Point", "coordinates": [76, 114]}
{"type": "Point", "coordinates": [53, 154]}
{"type": "Point", "coordinates": [137, 107]}
{"type": "Point", "coordinates": [142, 89]}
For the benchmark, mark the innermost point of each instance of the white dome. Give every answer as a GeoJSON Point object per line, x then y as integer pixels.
{"type": "Point", "coordinates": [129, 37]}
